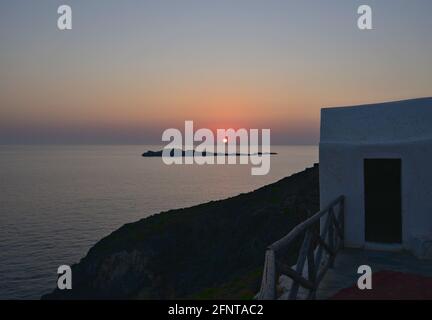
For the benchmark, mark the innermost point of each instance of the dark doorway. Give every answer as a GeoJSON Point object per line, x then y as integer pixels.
{"type": "Point", "coordinates": [383, 214]}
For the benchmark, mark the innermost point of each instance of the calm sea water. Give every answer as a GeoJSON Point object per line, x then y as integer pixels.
{"type": "Point", "coordinates": [57, 201]}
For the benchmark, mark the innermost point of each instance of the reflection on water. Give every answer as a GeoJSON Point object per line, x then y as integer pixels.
{"type": "Point", "coordinates": [57, 201]}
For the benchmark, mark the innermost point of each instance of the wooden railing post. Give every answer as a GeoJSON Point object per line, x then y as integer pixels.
{"type": "Point", "coordinates": [268, 284]}
{"type": "Point", "coordinates": [331, 243]}
{"type": "Point", "coordinates": [342, 220]}
{"type": "Point", "coordinates": [312, 268]}
{"type": "Point", "coordinates": [301, 262]}
{"type": "Point", "coordinates": [328, 242]}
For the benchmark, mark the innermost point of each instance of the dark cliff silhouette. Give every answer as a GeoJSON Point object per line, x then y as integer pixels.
{"type": "Point", "coordinates": [213, 250]}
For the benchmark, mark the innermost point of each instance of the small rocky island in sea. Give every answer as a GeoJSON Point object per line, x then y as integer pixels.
{"type": "Point", "coordinates": [191, 153]}
{"type": "Point", "coordinates": [210, 251]}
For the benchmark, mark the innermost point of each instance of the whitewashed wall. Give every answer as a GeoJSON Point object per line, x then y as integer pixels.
{"type": "Point", "coordinates": [392, 130]}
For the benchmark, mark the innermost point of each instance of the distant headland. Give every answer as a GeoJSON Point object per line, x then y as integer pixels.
{"type": "Point", "coordinates": [192, 153]}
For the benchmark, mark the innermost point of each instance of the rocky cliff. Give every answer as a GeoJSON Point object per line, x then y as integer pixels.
{"type": "Point", "coordinates": [213, 250]}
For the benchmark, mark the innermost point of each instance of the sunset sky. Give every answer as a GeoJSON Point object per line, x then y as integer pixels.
{"type": "Point", "coordinates": [130, 69]}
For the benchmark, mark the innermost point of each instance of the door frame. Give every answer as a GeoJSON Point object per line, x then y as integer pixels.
{"type": "Point", "coordinates": [382, 155]}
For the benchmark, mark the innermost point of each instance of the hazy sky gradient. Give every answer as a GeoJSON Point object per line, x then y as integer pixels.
{"type": "Point", "coordinates": [130, 69]}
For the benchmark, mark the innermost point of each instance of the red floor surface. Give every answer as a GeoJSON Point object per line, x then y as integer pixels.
{"type": "Point", "coordinates": [390, 285]}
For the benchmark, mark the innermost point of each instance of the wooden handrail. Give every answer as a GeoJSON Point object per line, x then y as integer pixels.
{"type": "Point", "coordinates": [299, 229]}
{"type": "Point", "coordinates": [327, 242]}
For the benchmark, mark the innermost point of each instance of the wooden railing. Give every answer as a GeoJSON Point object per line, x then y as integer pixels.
{"type": "Point", "coordinates": [318, 249]}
